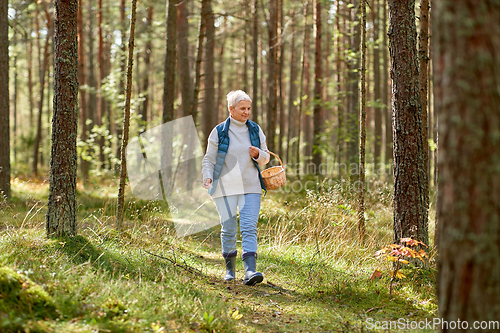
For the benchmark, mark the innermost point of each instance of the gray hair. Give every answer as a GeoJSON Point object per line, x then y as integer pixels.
{"type": "Point", "coordinates": [234, 97]}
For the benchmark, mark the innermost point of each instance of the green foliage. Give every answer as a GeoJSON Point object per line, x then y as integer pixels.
{"type": "Point", "coordinates": [21, 299]}
{"type": "Point", "coordinates": [410, 254]}
{"type": "Point", "coordinates": [145, 279]}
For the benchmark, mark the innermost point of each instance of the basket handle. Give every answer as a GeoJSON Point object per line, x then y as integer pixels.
{"type": "Point", "coordinates": [270, 152]}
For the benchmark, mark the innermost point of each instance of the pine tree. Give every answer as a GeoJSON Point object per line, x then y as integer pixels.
{"type": "Point", "coordinates": [467, 64]}
{"type": "Point", "coordinates": [410, 205]}
{"type": "Point", "coordinates": [5, 191]}
{"type": "Point", "coordinates": [61, 208]}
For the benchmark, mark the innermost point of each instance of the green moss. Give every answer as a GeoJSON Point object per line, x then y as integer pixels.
{"type": "Point", "coordinates": [22, 298]}
{"type": "Point", "coordinates": [114, 307]}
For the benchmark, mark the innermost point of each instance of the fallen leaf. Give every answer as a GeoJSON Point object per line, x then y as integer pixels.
{"type": "Point", "coordinates": [237, 315]}
{"type": "Point", "coordinates": [376, 274]}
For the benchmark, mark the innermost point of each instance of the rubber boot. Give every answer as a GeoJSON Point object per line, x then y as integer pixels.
{"type": "Point", "coordinates": [230, 268]}
{"type": "Point", "coordinates": [251, 276]}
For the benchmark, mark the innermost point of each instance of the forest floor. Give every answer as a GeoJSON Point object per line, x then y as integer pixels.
{"type": "Point", "coordinates": [145, 279]}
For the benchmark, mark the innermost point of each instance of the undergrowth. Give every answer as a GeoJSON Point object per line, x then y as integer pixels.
{"type": "Point", "coordinates": [145, 279]}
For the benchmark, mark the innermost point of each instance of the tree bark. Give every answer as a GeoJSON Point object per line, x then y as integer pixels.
{"type": "Point", "coordinates": [307, 121]}
{"type": "Point", "coordinates": [15, 97]}
{"type": "Point", "coordinates": [43, 72]}
{"type": "Point", "coordinates": [467, 62]}
{"type": "Point", "coordinates": [378, 158]}
{"type": "Point", "coordinates": [185, 79]}
{"type": "Point", "coordinates": [30, 79]}
{"type": "Point", "coordinates": [353, 109]}
{"type": "Point", "coordinates": [303, 74]}
{"type": "Point", "coordinates": [281, 94]}
{"type": "Point", "coordinates": [148, 69]}
{"type": "Point", "coordinates": [246, 30]}
{"type": "Point", "coordinates": [340, 88]}
{"type": "Point", "coordinates": [255, 59]}
{"type": "Point", "coordinates": [170, 63]}
{"type": "Point", "coordinates": [5, 191]}
{"type": "Point", "coordinates": [199, 57]}
{"type": "Point", "coordinates": [126, 121]}
{"type": "Point", "coordinates": [220, 105]}
{"type": "Point", "coordinates": [423, 54]}
{"type": "Point", "coordinates": [92, 81]}
{"type": "Point", "coordinates": [61, 208]}
{"type": "Point", "coordinates": [292, 95]}
{"type": "Point", "coordinates": [209, 108]}
{"type": "Point", "coordinates": [272, 101]}
{"type": "Point", "coordinates": [362, 129]}
{"type": "Point", "coordinates": [85, 165]}
{"type": "Point", "coordinates": [385, 90]}
{"type": "Point", "coordinates": [102, 105]}
{"type": "Point", "coordinates": [318, 88]}
{"type": "Point", "coordinates": [410, 209]}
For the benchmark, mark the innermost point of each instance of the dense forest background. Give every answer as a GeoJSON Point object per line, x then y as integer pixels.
{"type": "Point", "coordinates": [298, 61]}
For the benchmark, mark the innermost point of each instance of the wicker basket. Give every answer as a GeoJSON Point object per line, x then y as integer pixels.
{"type": "Point", "coordinates": [274, 177]}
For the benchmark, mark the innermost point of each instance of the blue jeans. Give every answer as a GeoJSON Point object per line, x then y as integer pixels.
{"type": "Point", "coordinates": [249, 206]}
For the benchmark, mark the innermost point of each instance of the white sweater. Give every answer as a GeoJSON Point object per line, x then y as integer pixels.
{"type": "Point", "coordinates": [238, 175]}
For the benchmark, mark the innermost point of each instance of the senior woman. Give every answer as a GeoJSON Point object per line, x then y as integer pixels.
{"type": "Point", "coordinates": [236, 148]}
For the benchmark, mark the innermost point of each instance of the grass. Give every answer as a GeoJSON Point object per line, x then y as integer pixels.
{"type": "Point", "coordinates": [145, 279]}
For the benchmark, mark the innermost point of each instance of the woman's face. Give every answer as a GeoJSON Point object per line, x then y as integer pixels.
{"type": "Point", "coordinates": [241, 111]}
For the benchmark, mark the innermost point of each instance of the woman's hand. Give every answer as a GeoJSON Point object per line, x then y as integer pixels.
{"type": "Point", "coordinates": [254, 152]}
{"type": "Point", "coordinates": [207, 182]}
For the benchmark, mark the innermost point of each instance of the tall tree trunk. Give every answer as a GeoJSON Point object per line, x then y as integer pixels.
{"type": "Point", "coordinates": [102, 104]}
{"type": "Point", "coordinates": [199, 57]}
{"type": "Point", "coordinates": [347, 68]}
{"type": "Point", "coordinates": [246, 30]}
{"type": "Point", "coordinates": [126, 121]}
{"type": "Point", "coordinates": [185, 80]}
{"type": "Point", "coordinates": [362, 129]}
{"type": "Point", "coordinates": [423, 53]}
{"type": "Point", "coordinates": [272, 103]}
{"type": "Point", "coordinates": [15, 98]}
{"type": "Point", "coordinates": [292, 95]}
{"type": "Point", "coordinates": [43, 72]}
{"type": "Point", "coordinates": [148, 69]}
{"type": "Point", "coordinates": [209, 109]}
{"type": "Point", "coordinates": [318, 99]}
{"type": "Point", "coordinates": [92, 81]}
{"type": "Point", "coordinates": [378, 158]}
{"type": "Point", "coordinates": [307, 119]}
{"type": "Point", "coordinates": [353, 110]}
{"type": "Point", "coordinates": [30, 78]}
{"type": "Point", "coordinates": [410, 210]}
{"type": "Point", "coordinates": [170, 63]}
{"type": "Point", "coordinates": [5, 191]}
{"type": "Point", "coordinates": [83, 94]}
{"type": "Point", "coordinates": [255, 59]}
{"type": "Point", "coordinates": [340, 89]}
{"type": "Point", "coordinates": [281, 94]}
{"type": "Point", "coordinates": [303, 74]}
{"type": "Point", "coordinates": [61, 207]}
{"type": "Point", "coordinates": [385, 89]}
{"type": "Point", "coordinates": [220, 105]}
{"type": "Point", "coordinates": [467, 62]}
